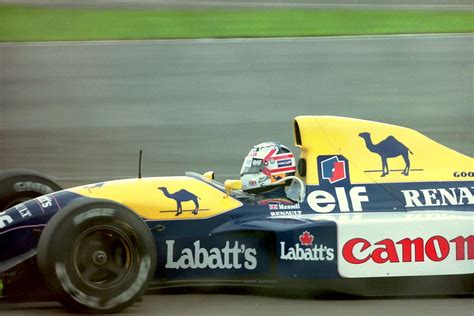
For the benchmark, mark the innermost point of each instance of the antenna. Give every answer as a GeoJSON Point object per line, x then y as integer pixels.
{"type": "Point", "coordinates": [140, 165]}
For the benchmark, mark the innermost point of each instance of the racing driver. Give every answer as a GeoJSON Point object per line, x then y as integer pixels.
{"type": "Point", "coordinates": [267, 172]}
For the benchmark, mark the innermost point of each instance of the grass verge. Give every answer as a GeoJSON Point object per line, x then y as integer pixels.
{"type": "Point", "coordinates": [18, 23]}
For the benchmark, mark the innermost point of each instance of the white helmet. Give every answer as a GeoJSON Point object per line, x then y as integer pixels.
{"type": "Point", "coordinates": [265, 164]}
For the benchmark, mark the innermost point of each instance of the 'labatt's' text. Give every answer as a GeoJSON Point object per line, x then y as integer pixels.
{"type": "Point", "coordinates": [305, 250]}
{"type": "Point", "coordinates": [236, 257]}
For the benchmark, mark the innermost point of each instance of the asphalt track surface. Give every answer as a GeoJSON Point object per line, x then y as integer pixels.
{"type": "Point", "coordinates": [81, 111]}
{"type": "Point", "coordinates": [235, 304]}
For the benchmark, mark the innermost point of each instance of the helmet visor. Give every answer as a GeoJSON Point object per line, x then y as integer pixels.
{"type": "Point", "coordinates": [251, 166]}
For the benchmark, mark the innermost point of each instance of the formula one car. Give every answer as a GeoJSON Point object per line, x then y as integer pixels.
{"type": "Point", "coordinates": [379, 210]}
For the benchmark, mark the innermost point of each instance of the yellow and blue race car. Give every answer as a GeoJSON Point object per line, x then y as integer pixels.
{"type": "Point", "coordinates": [377, 209]}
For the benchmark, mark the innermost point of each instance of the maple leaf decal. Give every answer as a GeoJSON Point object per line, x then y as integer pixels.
{"type": "Point", "coordinates": [306, 239]}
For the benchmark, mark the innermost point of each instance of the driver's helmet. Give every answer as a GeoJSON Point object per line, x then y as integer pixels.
{"type": "Point", "coordinates": [265, 164]}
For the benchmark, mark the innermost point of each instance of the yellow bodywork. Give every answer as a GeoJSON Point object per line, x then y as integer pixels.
{"type": "Point", "coordinates": [144, 197]}
{"type": "Point", "coordinates": [315, 136]}
{"type": "Point", "coordinates": [327, 135]}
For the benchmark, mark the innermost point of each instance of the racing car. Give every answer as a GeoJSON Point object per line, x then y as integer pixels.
{"type": "Point", "coordinates": [378, 209]}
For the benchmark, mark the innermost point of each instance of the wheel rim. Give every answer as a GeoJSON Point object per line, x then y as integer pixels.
{"type": "Point", "coordinates": [103, 256]}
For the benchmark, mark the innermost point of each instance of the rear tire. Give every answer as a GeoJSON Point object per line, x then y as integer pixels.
{"type": "Point", "coordinates": [20, 185]}
{"type": "Point", "coordinates": [97, 256]}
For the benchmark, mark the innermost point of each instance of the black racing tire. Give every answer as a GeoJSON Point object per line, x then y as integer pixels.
{"type": "Point", "coordinates": [19, 185]}
{"type": "Point", "coordinates": [97, 256]}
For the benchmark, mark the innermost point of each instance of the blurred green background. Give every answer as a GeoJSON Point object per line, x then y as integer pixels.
{"type": "Point", "coordinates": [24, 23]}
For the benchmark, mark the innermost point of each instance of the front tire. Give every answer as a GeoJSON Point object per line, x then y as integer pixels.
{"type": "Point", "coordinates": [19, 185]}
{"type": "Point", "coordinates": [97, 256]}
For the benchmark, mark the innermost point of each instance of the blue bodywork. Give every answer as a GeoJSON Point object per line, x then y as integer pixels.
{"type": "Point", "coordinates": [256, 242]}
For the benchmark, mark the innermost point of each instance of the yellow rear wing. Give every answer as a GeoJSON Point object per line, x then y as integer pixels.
{"type": "Point", "coordinates": [376, 152]}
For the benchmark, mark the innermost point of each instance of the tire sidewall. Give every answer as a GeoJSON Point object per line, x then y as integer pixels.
{"type": "Point", "coordinates": [56, 256]}
{"type": "Point", "coordinates": [20, 185]}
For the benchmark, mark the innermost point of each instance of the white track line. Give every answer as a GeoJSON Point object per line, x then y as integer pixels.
{"type": "Point", "coordinates": [243, 40]}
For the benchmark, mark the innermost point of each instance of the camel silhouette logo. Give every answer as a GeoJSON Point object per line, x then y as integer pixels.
{"type": "Point", "coordinates": [182, 196]}
{"type": "Point", "coordinates": [94, 186]}
{"type": "Point", "coordinates": [390, 147]}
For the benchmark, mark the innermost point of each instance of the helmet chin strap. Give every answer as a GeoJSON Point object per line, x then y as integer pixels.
{"type": "Point", "coordinates": [302, 191]}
